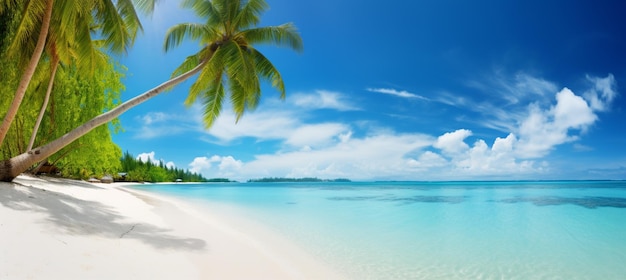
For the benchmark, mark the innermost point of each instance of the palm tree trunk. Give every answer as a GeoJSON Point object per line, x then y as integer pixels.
{"type": "Point", "coordinates": [11, 168]}
{"type": "Point", "coordinates": [28, 73]}
{"type": "Point", "coordinates": [44, 106]}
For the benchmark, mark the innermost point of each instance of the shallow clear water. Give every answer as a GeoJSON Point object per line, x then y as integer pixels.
{"type": "Point", "coordinates": [443, 230]}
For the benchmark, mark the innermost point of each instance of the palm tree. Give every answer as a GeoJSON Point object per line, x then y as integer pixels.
{"type": "Point", "coordinates": [33, 11]}
{"type": "Point", "coordinates": [118, 22]}
{"type": "Point", "coordinates": [76, 47]}
{"type": "Point", "coordinates": [228, 61]}
{"type": "Point", "coordinates": [232, 61]}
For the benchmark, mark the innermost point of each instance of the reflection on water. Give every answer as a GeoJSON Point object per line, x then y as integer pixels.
{"type": "Point", "coordinates": [403, 200]}
{"type": "Point", "coordinates": [590, 202]}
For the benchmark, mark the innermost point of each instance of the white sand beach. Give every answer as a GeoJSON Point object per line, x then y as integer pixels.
{"type": "Point", "coordinates": [64, 229]}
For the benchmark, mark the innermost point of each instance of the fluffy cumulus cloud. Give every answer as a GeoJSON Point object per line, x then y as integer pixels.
{"type": "Point", "coordinates": [333, 149]}
{"type": "Point", "coordinates": [225, 166]}
{"type": "Point", "coordinates": [453, 142]}
{"type": "Point", "coordinates": [150, 157]}
{"type": "Point", "coordinates": [147, 157]}
{"type": "Point", "coordinates": [544, 129]}
{"type": "Point", "coordinates": [539, 131]}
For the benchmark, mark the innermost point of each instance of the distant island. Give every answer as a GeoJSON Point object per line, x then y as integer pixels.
{"type": "Point", "coordinates": [296, 180]}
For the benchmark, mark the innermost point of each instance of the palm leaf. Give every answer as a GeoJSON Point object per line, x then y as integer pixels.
{"type": "Point", "coordinates": [177, 33]}
{"type": "Point", "coordinates": [32, 12]}
{"type": "Point", "coordinates": [208, 77]}
{"type": "Point", "coordinates": [250, 14]}
{"type": "Point", "coordinates": [204, 9]}
{"type": "Point", "coordinates": [213, 100]}
{"type": "Point", "coordinates": [147, 6]}
{"type": "Point", "coordinates": [282, 35]}
{"type": "Point", "coordinates": [266, 70]}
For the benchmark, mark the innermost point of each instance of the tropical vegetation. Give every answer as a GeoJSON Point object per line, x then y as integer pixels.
{"type": "Point", "coordinates": [59, 51]}
{"type": "Point", "coordinates": [136, 170]}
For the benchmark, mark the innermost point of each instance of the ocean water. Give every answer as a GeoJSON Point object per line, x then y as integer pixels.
{"type": "Point", "coordinates": [442, 230]}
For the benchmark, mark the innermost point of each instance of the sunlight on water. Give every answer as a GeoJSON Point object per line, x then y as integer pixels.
{"type": "Point", "coordinates": [461, 230]}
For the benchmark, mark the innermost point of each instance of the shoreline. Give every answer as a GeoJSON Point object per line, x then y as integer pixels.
{"type": "Point", "coordinates": [58, 228]}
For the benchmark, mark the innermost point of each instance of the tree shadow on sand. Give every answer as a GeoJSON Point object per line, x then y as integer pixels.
{"type": "Point", "coordinates": [81, 217]}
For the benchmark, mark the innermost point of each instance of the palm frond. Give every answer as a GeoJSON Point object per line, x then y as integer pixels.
{"type": "Point", "coordinates": [126, 9]}
{"type": "Point", "coordinates": [189, 63]}
{"type": "Point", "coordinates": [239, 65]}
{"type": "Point", "coordinates": [250, 14]}
{"type": "Point", "coordinates": [213, 99]}
{"type": "Point", "coordinates": [8, 5]}
{"type": "Point", "coordinates": [267, 71]}
{"type": "Point", "coordinates": [177, 33]}
{"type": "Point", "coordinates": [204, 9]}
{"type": "Point", "coordinates": [281, 35]}
{"type": "Point", "coordinates": [210, 75]}
{"type": "Point", "coordinates": [237, 97]}
{"type": "Point", "coordinates": [32, 12]}
{"type": "Point", "coordinates": [146, 6]}
{"type": "Point", "coordinates": [112, 27]}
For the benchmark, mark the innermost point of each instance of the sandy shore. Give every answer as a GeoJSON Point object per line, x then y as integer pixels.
{"type": "Point", "coordinates": [64, 229]}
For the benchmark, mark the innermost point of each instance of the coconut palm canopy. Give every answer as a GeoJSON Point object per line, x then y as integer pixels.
{"type": "Point", "coordinates": [233, 64]}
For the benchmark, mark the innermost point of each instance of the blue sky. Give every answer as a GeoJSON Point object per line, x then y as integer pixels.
{"type": "Point", "coordinates": [405, 90]}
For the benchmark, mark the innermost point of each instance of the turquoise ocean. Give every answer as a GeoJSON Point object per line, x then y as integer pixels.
{"type": "Point", "coordinates": [440, 230]}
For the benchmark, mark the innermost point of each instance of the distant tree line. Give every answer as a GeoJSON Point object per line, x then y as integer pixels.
{"type": "Point", "coordinates": [294, 180]}
{"type": "Point", "coordinates": [135, 170]}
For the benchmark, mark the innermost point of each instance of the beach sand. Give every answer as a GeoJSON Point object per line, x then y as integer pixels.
{"type": "Point", "coordinates": [63, 229]}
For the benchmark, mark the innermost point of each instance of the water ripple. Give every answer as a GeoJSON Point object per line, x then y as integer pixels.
{"type": "Point", "coordinates": [590, 202]}
{"type": "Point", "coordinates": [404, 200]}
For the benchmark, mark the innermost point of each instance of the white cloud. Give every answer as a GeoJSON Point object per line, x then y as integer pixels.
{"type": "Point", "coordinates": [200, 165]}
{"type": "Point", "coordinates": [226, 166]}
{"type": "Point", "coordinates": [542, 130]}
{"type": "Point", "coordinates": [316, 135]}
{"type": "Point", "coordinates": [262, 125]}
{"type": "Point", "coordinates": [398, 93]}
{"type": "Point", "coordinates": [526, 85]}
{"type": "Point", "coordinates": [428, 160]}
{"type": "Point", "coordinates": [357, 158]}
{"type": "Point", "coordinates": [160, 124]}
{"type": "Point", "coordinates": [453, 142]}
{"type": "Point", "coordinates": [322, 99]}
{"type": "Point", "coordinates": [602, 93]}
{"type": "Point", "coordinates": [365, 150]}
{"type": "Point", "coordinates": [148, 157]}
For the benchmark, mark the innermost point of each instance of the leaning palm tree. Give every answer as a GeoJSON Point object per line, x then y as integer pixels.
{"type": "Point", "coordinates": [76, 47]}
{"type": "Point", "coordinates": [33, 11]}
{"type": "Point", "coordinates": [227, 62]}
{"type": "Point", "coordinates": [118, 21]}
{"type": "Point", "coordinates": [232, 63]}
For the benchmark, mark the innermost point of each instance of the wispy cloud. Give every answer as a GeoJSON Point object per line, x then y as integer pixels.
{"type": "Point", "coordinates": [601, 94]}
{"type": "Point", "coordinates": [398, 93]}
{"type": "Point", "coordinates": [161, 124]}
{"type": "Point", "coordinates": [322, 99]}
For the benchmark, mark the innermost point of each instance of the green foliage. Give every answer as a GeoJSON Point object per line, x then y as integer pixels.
{"type": "Point", "coordinates": [76, 98]}
{"type": "Point", "coordinates": [139, 171]}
